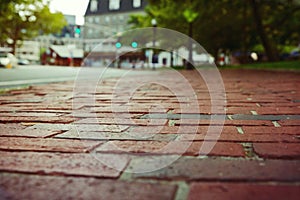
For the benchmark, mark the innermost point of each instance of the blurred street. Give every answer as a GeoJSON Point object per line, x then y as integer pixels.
{"type": "Point", "coordinates": [39, 74]}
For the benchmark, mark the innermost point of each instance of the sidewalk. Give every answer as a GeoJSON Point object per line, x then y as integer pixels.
{"type": "Point", "coordinates": [137, 138]}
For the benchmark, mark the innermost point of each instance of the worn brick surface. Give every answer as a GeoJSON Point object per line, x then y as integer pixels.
{"type": "Point", "coordinates": [221, 169]}
{"type": "Point", "coordinates": [123, 121]}
{"type": "Point", "coordinates": [278, 110]}
{"type": "Point", "coordinates": [225, 122]}
{"type": "Point", "coordinates": [48, 144]}
{"type": "Point", "coordinates": [99, 127]}
{"type": "Point", "coordinates": [115, 136]}
{"type": "Point", "coordinates": [30, 114]}
{"type": "Point", "coordinates": [15, 186]}
{"type": "Point", "coordinates": [236, 137]}
{"type": "Point", "coordinates": [63, 163]}
{"type": "Point", "coordinates": [131, 143]}
{"type": "Point", "coordinates": [13, 129]}
{"type": "Point", "coordinates": [173, 147]}
{"type": "Point", "coordinates": [289, 122]}
{"type": "Point", "coordinates": [181, 129]}
{"type": "Point", "coordinates": [246, 191]}
{"type": "Point", "coordinates": [36, 119]}
{"type": "Point", "coordinates": [278, 150]}
{"type": "Point", "coordinates": [293, 130]}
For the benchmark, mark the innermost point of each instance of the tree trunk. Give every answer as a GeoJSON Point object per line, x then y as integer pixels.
{"type": "Point", "coordinates": [190, 62]}
{"type": "Point", "coordinates": [270, 49]}
{"type": "Point", "coordinates": [14, 37]}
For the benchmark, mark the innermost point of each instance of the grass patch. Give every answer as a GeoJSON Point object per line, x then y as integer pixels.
{"type": "Point", "coordinates": [6, 90]}
{"type": "Point", "coordinates": [281, 65]}
{"type": "Point", "coordinates": [178, 67]}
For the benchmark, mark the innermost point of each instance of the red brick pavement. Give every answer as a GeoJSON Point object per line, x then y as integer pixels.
{"type": "Point", "coordinates": [58, 143]}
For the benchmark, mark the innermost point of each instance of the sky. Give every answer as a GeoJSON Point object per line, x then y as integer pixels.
{"type": "Point", "coordinates": [70, 7]}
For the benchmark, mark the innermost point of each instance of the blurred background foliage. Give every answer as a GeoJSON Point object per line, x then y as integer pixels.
{"type": "Point", "coordinates": [25, 19]}
{"type": "Point", "coordinates": [269, 26]}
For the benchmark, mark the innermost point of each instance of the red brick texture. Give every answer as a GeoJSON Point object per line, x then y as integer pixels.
{"type": "Point", "coordinates": [57, 143]}
{"type": "Point", "coordinates": [247, 191]}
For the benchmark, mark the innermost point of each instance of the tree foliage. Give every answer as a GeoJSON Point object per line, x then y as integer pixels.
{"type": "Point", "coordinates": [24, 19]}
{"type": "Point", "coordinates": [230, 24]}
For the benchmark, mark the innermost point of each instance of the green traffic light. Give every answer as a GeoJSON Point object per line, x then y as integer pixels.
{"type": "Point", "coordinates": [118, 45]}
{"type": "Point", "coordinates": [134, 44]}
{"type": "Point", "coordinates": [77, 30]}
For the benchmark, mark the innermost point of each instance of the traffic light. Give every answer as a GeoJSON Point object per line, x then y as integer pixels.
{"type": "Point", "coordinates": [77, 31]}
{"type": "Point", "coordinates": [134, 44]}
{"type": "Point", "coordinates": [118, 45]}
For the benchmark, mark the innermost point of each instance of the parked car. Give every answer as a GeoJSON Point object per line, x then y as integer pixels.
{"type": "Point", "coordinates": [23, 62]}
{"type": "Point", "coordinates": [8, 60]}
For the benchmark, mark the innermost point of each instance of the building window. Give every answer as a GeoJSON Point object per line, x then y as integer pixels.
{"type": "Point", "coordinates": [121, 17]}
{"type": "Point", "coordinates": [94, 6]}
{"type": "Point", "coordinates": [137, 3]}
{"type": "Point", "coordinates": [90, 19]}
{"type": "Point", "coordinates": [114, 4]}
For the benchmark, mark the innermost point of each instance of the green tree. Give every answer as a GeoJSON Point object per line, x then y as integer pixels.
{"type": "Point", "coordinates": [24, 19]}
{"type": "Point", "coordinates": [232, 24]}
{"type": "Point", "coordinates": [190, 15]}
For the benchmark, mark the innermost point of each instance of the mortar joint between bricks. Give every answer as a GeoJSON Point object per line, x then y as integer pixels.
{"type": "Point", "coordinates": [249, 151]}
{"type": "Point", "coordinates": [170, 111]}
{"type": "Point", "coordinates": [171, 122]}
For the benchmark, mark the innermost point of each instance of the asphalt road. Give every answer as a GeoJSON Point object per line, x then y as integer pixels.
{"type": "Point", "coordinates": [39, 74]}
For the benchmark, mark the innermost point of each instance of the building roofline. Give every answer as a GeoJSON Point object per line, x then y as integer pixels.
{"type": "Point", "coordinates": [103, 7]}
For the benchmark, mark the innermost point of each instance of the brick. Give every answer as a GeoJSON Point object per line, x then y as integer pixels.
{"type": "Point", "coordinates": [276, 104]}
{"type": "Point", "coordinates": [59, 107]}
{"type": "Point", "coordinates": [121, 109]}
{"type": "Point", "coordinates": [218, 169]}
{"type": "Point", "coordinates": [291, 130]}
{"type": "Point", "coordinates": [19, 186]}
{"type": "Point", "coordinates": [246, 191]}
{"type": "Point", "coordinates": [63, 112]}
{"type": "Point", "coordinates": [46, 144]}
{"type": "Point", "coordinates": [240, 110]}
{"type": "Point", "coordinates": [30, 114]}
{"type": "Point", "coordinates": [123, 121]}
{"type": "Point", "coordinates": [289, 122]}
{"type": "Point", "coordinates": [278, 110]}
{"type": "Point", "coordinates": [12, 126]}
{"type": "Point", "coordinates": [236, 137]}
{"type": "Point", "coordinates": [115, 136]}
{"type": "Point", "coordinates": [20, 130]}
{"type": "Point", "coordinates": [222, 149]}
{"type": "Point", "coordinates": [88, 114]}
{"type": "Point", "coordinates": [202, 110]}
{"type": "Point", "coordinates": [99, 128]}
{"type": "Point", "coordinates": [37, 119]}
{"type": "Point", "coordinates": [173, 147]}
{"type": "Point", "coordinates": [63, 163]}
{"type": "Point", "coordinates": [277, 150]}
{"type": "Point", "coordinates": [192, 129]}
{"type": "Point", "coordinates": [201, 122]}
{"type": "Point", "coordinates": [42, 127]}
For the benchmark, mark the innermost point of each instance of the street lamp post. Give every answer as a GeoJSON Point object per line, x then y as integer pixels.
{"type": "Point", "coordinates": [190, 17]}
{"type": "Point", "coordinates": [154, 25]}
{"type": "Point", "coordinates": [118, 46]}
